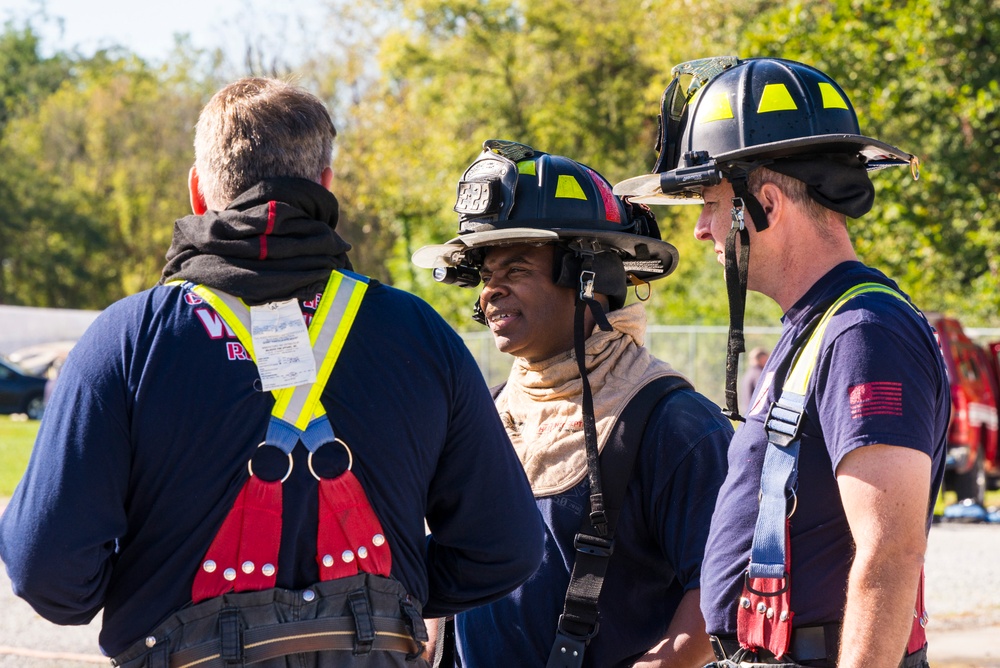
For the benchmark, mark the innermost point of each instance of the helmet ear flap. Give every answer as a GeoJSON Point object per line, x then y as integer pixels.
{"type": "Point", "coordinates": [609, 274]}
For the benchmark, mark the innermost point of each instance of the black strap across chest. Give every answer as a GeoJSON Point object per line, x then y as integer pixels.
{"type": "Point", "coordinates": [578, 623]}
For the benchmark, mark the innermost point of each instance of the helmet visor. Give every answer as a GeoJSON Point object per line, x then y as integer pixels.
{"type": "Point", "coordinates": [688, 79]}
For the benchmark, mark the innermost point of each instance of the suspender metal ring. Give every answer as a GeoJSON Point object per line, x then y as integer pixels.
{"type": "Point", "coordinates": [290, 462]}
{"type": "Point", "coordinates": [350, 457]}
{"type": "Point", "coordinates": [795, 501]}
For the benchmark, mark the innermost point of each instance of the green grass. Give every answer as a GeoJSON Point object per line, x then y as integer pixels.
{"type": "Point", "coordinates": [16, 439]}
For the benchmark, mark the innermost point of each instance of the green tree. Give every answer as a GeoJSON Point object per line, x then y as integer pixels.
{"type": "Point", "coordinates": [925, 76]}
{"type": "Point", "coordinates": [109, 149]}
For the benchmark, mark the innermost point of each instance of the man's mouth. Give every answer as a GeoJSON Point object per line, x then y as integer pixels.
{"type": "Point", "coordinates": [500, 318]}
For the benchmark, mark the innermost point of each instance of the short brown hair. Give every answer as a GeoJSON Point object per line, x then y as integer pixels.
{"type": "Point", "coordinates": [258, 128]}
{"type": "Point", "coordinates": [796, 191]}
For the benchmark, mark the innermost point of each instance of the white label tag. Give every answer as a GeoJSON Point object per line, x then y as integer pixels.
{"type": "Point", "coordinates": [281, 342]}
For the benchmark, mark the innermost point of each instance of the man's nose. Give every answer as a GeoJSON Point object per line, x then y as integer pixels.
{"type": "Point", "coordinates": [492, 287]}
{"type": "Point", "coordinates": [703, 228]}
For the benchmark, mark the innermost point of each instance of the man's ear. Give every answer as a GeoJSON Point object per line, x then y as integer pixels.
{"type": "Point", "coordinates": [326, 178]}
{"type": "Point", "coordinates": [198, 205]}
{"type": "Point", "coordinates": [773, 201]}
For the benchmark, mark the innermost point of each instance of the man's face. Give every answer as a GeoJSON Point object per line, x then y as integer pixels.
{"type": "Point", "coordinates": [714, 224]}
{"type": "Point", "coordinates": [716, 218]}
{"type": "Point", "coordinates": [530, 316]}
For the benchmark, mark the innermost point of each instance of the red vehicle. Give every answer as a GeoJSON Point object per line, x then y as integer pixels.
{"type": "Point", "coordinates": [973, 460]}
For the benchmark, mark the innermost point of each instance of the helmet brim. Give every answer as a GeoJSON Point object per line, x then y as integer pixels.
{"type": "Point", "coordinates": [646, 188]}
{"type": "Point", "coordinates": [657, 260]}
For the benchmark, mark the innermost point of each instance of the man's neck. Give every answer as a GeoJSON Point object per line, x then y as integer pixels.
{"type": "Point", "coordinates": [800, 264]}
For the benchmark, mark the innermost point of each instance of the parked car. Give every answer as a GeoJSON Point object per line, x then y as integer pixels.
{"type": "Point", "coordinates": [973, 460]}
{"type": "Point", "coordinates": [20, 392]}
{"type": "Point", "coordinates": [39, 358]}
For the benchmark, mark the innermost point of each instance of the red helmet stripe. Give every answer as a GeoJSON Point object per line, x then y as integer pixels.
{"type": "Point", "coordinates": [611, 211]}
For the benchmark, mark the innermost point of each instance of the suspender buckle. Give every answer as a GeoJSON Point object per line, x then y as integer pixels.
{"type": "Point", "coordinates": [784, 421]}
{"type": "Point", "coordinates": [600, 547]}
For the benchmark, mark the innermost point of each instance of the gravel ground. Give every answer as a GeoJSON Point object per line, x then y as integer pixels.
{"type": "Point", "coordinates": [963, 598]}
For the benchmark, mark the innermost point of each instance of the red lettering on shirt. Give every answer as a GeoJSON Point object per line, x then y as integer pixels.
{"type": "Point", "coordinates": [236, 351]}
{"type": "Point", "coordinates": [876, 398]}
{"type": "Point", "coordinates": [193, 299]}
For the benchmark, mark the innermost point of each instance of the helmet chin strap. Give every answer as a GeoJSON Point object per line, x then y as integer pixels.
{"type": "Point", "coordinates": [585, 299]}
{"type": "Point", "coordinates": [736, 282]}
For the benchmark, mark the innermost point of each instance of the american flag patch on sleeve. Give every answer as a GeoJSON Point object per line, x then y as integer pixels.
{"type": "Point", "coordinates": [876, 398]}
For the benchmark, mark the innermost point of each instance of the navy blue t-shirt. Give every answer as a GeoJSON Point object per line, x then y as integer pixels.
{"type": "Point", "coordinates": [659, 546]}
{"type": "Point", "coordinates": [879, 378]}
{"type": "Point", "coordinates": [145, 446]}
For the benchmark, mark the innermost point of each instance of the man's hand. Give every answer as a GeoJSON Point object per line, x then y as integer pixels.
{"type": "Point", "coordinates": [686, 644]}
{"type": "Point", "coordinates": [884, 492]}
{"type": "Point", "coordinates": [435, 633]}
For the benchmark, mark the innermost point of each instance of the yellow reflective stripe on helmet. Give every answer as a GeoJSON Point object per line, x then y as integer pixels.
{"type": "Point", "coordinates": [831, 98]}
{"type": "Point", "coordinates": [569, 188]}
{"type": "Point", "coordinates": [775, 97]}
{"type": "Point", "coordinates": [526, 167]}
{"type": "Point", "coordinates": [716, 107]}
{"type": "Point", "coordinates": [805, 361]}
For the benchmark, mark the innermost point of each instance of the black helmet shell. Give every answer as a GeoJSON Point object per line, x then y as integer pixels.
{"type": "Point", "coordinates": [513, 194]}
{"type": "Point", "coordinates": [761, 109]}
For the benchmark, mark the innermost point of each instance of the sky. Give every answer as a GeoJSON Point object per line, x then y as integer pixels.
{"type": "Point", "coordinates": [147, 27]}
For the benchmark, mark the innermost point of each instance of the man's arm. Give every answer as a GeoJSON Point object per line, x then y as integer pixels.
{"type": "Point", "coordinates": [686, 643]}
{"type": "Point", "coordinates": [884, 492]}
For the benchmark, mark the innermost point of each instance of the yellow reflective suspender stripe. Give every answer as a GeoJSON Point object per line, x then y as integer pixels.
{"type": "Point", "coordinates": [344, 309]}
{"type": "Point", "coordinates": [805, 360]}
{"type": "Point", "coordinates": [328, 331]}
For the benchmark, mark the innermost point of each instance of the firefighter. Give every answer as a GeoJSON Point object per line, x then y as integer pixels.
{"type": "Point", "coordinates": [555, 252]}
{"type": "Point", "coordinates": [817, 543]}
{"type": "Point", "coordinates": [237, 464]}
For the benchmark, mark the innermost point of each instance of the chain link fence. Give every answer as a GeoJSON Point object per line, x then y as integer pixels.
{"type": "Point", "coordinates": [697, 351]}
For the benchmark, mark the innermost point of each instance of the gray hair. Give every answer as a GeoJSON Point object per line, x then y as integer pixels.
{"type": "Point", "coordinates": [258, 128]}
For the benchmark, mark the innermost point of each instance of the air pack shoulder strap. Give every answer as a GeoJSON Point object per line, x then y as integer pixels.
{"type": "Point", "coordinates": [578, 623]}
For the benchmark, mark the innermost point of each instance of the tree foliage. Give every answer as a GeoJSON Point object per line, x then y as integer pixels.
{"type": "Point", "coordinates": [94, 149]}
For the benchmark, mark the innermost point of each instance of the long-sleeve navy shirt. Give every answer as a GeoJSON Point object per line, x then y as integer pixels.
{"type": "Point", "coordinates": [145, 444]}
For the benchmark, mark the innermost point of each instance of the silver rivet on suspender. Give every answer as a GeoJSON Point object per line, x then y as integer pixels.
{"type": "Point", "coordinates": [362, 552]}
{"type": "Point", "coordinates": [762, 607]}
{"type": "Point", "coordinates": [328, 560]}
{"type": "Point", "coordinates": [783, 616]}
{"type": "Point", "coordinates": [347, 556]}
{"type": "Point", "coordinates": [745, 603]}
{"type": "Point", "coordinates": [308, 595]}
{"type": "Point", "coordinates": [378, 540]}
{"type": "Point", "coordinates": [770, 613]}
{"type": "Point", "coordinates": [150, 641]}
{"type": "Point", "coordinates": [209, 566]}
{"type": "Point", "coordinates": [229, 574]}
{"type": "Point", "coordinates": [247, 567]}
{"type": "Point", "coordinates": [267, 570]}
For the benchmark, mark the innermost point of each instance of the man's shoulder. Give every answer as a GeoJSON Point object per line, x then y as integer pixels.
{"type": "Point", "coordinates": [685, 415]}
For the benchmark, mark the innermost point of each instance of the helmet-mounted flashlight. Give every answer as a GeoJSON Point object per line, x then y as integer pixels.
{"type": "Point", "coordinates": [462, 275]}
{"type": "Point", "coordinates": [690, 178]}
